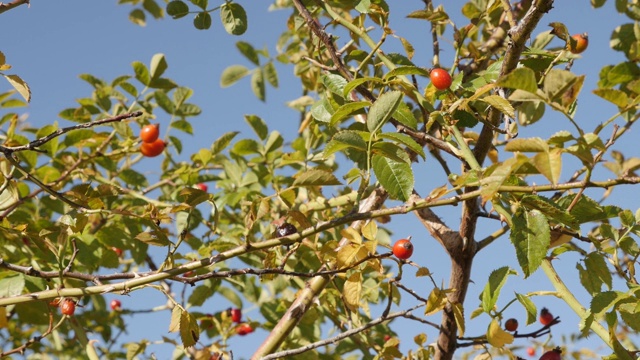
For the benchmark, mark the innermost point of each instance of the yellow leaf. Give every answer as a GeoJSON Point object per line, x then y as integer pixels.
{"type": "Point", "coordinates": [189, 330]}
{"type": "Point", "coordinates": [458, 313]}
{"type": "Point", "coordinates": [352, 234]}
{"type": "Point", "coordinates": [352, 290]}
{"type": "Point", "coordinates": [370, 230]}
{"type": "Point", "coordinates": [436, 301]}
{"type": "Point", "coordinates": [176, 313]}
{"type": "Point", "coordinates": [19, 85]}
{"type": "Point", "coordinates": [498, 337]}
{"type": "Point", "coordinates": [346, 254]}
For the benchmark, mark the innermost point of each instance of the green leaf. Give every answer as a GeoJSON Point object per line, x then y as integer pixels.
{"type": "Point", "coordinates": [11, 285]}
{"type": "Point", "coordinates": [348, 110]}
{"type": "Point", "coordinates": [315, 177]}
{"type": "Point", "coordinates": [203, 292]}
{"type": "Point", "coordinates": [322, 110]}
{"type": "Point", "coordinates": [550, 209]}
{"type": "Point", "coordinates": [405, 116]}
{"type": "Point", "coordinates": [500, 172]}
{"type": "Point", "coordinates": [382, 110]}
{"type": "Point", "coordinates": [605, 300]}
{"type": "Point", "coordinates": [345, 140]}
{"type": "Point", "coordinates": [405, 140]}
{"type": "Point", "coordinates": [357, 82]}
{"type": "Point", "coordinates": [405, 70]}
{"type": "Point", "coordinates": [232, 74]}
{"type": "Point", "coordinates": [223, 141]}
{"type": "Point", "coordinates": [532, 312]}
{"type": "Point", "coordinates": [133, 177]}
{"type": "Point", "coordinates": [202, 21]}
{"type": "Point", "coordinates": [158, 66]}
{"type": "Point", "coordinates": [177, 9]}
{"type": "Point", "coordinates": [258, 125]}
{"type": "Point", "coordinates": [257, 84]}
{"type": "Point", "coordinates": [152, 7]}
{"type": "Point", "coordinates": [396, 177]}
{"type": "Point", "coordinates": [138, 17]}
{"type": "Point", "coordinates": [521, 78]}
{"type": "Point", "coordinates": [180, 95]}
{"type": "Point", "coordinates": [391, 151]}
{"type": "Point", "coordinates": [234, 18]}
{"type": "Point", "coordinates": [142, 73]}
{"type": "Point", "coordinates": [248, 51]}
{"type": "Point", "coordinates": [335, 83]}
{"type": "Point", "coordinates": [491, 292]}
{"type": "Point", "coordinates": [164, 102]}
{"type": "Point", "coordinates": [20, 85]}
{"type": "Point", "coordinates": [531, 237]}
{"type": "Point", "coordinates": [587, 209]}
{"type": "Point", "coordinates": [595, 274]}
{"type": "Point", "coordinates": [271, 74]}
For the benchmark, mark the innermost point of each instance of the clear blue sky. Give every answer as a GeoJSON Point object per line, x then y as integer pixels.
{"type": "Point", "coordinates": [52, 42]}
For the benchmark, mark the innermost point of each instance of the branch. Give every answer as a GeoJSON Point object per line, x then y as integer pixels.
{"type": "Point", "coordinates": [33, 340]}
{"type": "Point", "coordinates": [480, 340]}
{"type": "Point", "coordinates": [43, 140]}
{"type": "Point", "coordinates": [12, 5]}
{"type": "Point", "coordinates": [346, 334]}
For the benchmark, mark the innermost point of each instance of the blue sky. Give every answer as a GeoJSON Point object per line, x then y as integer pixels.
{"type": "Point", "coordinates": [52, 42]}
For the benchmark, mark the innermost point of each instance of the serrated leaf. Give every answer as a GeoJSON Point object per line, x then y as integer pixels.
{"type": "Point", "coordinates": [496, 336]}
{"type": "Point", "coordinates": [234, 18]}
{"type": "Point", "coordinates": [232, 74]}
{"type": "Point", "coordinates": [405, 70]}
{"type": "Point", "coordinates": [322, 110]}
{"type": "Point", "coordinates": [315, 177]}
{"type": "Point", "coordinates": [157, 238]}
{"type": "Point", "coordinates": [176, 314]}
{"type": "Point", "coordinates": [345, 140]}
{"type": "Point", "coordinates": [20, 85]}
{"type": "Point", "coordinates": [391, 151]}
{"type": "Point", "coordinates": [527, 145]}
{"type": "Point", "coordinates": [202, 292]}
{"type": "Point", "coordinates": [142, 73]}
{"type": "Point", "coordinates": [189, 329]}
{"type": "Point", "coordinates": [491, 291]}
{"type": "Point", "coordinates": [502, 171]}
{"type": "Point", "coordinates": [549, 164]}
{"type": "Point", "coordinates": [501, 104]}
{"type": "Point", "coordinates": [530, 307]}
{"type": "Point", "coordinates": [531, 236]}
{"type": "Point", "coordinates": [352, 290]}
{"type": "Point", "coordinates": [348, 110]}
{"type": "Point", "coordinates": [370, 230]}
{"type": "Point", "coordinates": [550, 209]}
{"type": "Point", "coordinates": [435, 302]}
{"type": "Point", "coordinates": [405, 116]}
{"type": "Point", "coordinates": [335, 83]}
{"type": "Point", "coordinates": [357, 82]}
{"type": "Point", "coordinates": [606, 300]}
{"type": "Point", "coordinates": [522, 78]}
{"type": "Point", "coordinates": [405, 140]}
{"type": "Point", "coordinates": [394, 176]}
{"type": "Point", "coordinates": [134, 349]}
{"type": "Point", "coordinates": [382, 110]}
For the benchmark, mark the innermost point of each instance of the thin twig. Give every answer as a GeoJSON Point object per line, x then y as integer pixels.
{"type": "Point", "coordinates": [346, 334]}
{"type": "Point", "coordinates": [33, 340]}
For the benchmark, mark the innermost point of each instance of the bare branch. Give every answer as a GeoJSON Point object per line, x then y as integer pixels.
{"type": "Point", "coordinates": [346, 334]}
{"type": "Point", "coordinates": [12, 5]}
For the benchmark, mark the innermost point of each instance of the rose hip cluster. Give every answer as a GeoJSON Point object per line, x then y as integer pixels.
{"type": "Point", "coordinates": [151, 145]}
